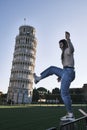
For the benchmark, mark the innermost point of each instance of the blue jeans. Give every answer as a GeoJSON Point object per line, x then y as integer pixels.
{"type": "Point", "coordinates": [67, 75]}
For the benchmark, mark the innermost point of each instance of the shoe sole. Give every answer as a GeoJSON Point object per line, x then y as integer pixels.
{"type": "Point", "coordinates": [68, 119]}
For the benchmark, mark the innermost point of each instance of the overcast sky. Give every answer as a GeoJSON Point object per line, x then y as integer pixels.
{"type": "Point", "coordinates": [51, 18]}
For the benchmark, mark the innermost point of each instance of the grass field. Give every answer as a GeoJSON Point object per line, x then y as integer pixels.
{"type": "Point", "coordinates": [32, 117]}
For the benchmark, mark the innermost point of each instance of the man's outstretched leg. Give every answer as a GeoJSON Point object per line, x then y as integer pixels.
{"type": "Point", "coordinates": [49, 71]}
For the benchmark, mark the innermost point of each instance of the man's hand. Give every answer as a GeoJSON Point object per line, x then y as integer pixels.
{"type": "Point", "coordinates": [67, 35]}
{"type": "Point", "coordinates": [59, 79]}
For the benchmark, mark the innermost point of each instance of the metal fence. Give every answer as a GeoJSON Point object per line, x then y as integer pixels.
{"type": "Point", "coordinates": [78, 124]}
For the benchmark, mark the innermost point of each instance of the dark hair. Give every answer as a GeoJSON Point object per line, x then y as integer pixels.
{"type": "Point", "coordinates": [65, 45]}
{"type": "Point", "coordinates": [67, 33]}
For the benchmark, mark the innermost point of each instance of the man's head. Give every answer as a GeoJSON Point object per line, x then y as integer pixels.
{"type": "Point", "coordinates": [63, 44]}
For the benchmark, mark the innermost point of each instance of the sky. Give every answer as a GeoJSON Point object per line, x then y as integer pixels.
{"type": "Point", "coordinates": [50, 18]}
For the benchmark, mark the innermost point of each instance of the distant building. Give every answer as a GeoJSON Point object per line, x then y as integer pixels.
{"type": "Point", "coordinates": [1, 93]}
{"type": "Point", "coordinates": [21, 80]}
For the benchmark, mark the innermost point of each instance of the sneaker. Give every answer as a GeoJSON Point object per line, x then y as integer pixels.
{"type": "Point", "coordinates": [68, 117]}
{"type": "Point", "coordinates": [36, 78]}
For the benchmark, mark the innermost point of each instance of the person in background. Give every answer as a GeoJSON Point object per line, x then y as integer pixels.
{"type": "Point", "coordinates": [65, 75]}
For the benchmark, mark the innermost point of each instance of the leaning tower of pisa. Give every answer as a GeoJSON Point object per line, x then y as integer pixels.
{"type": "Point", "coordinates": [21, 79]}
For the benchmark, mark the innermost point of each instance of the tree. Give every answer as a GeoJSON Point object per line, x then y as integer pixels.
{"type": "Point", "coordinates": [35, 95]}
{"type": "Point", "coordinates": [42, 90]}
{"type": "Point", "coordinates": [3, 98]}
{"type": "Point", "coordinates": [55, 91]}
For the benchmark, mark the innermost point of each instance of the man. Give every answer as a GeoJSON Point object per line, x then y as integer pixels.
{"type": "Point", "coordinates": [66, 74]}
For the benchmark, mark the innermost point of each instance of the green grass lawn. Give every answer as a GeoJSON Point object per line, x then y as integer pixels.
{"type": "Point", "coordinates": [32, 117]}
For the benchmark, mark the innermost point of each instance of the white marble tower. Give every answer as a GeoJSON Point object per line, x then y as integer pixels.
{"type": "Point", "coordinates": [21, 80]}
